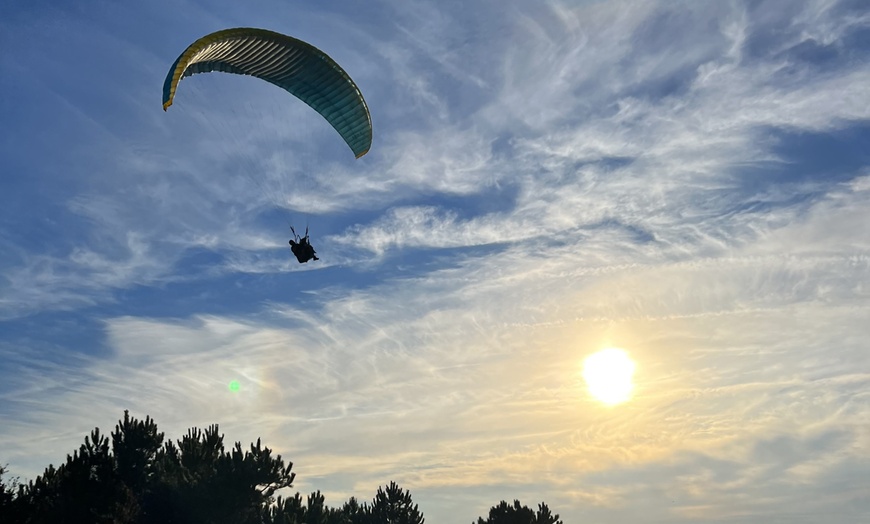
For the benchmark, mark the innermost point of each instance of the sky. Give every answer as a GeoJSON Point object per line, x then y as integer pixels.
{"type": "Point", "coordinates": [686, 180]}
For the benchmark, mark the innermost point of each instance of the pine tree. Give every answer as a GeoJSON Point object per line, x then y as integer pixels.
{"type": "Point", "coordinates": [356, 513]}
{"type": "Point", "coordinates": [505, 513]}
{"type": "Point", "coordinates": [394, 506]}
{"type": "Point", "coordinates": [7, 493]}
{"type": "Point", "coordinates": [545, 516]}
{"type": "Point", "coordinates": [141, 481]}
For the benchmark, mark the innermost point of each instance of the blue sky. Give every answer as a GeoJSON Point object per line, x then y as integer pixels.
{"type": "Point", "coordinates": [689, 181]}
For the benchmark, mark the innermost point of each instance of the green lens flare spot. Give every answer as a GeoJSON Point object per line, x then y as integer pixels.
{"type": "Point", "coordinates": [234, 385]}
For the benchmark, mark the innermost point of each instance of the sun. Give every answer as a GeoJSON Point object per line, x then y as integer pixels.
{"type": "Point", "coordinates": [608, 375]}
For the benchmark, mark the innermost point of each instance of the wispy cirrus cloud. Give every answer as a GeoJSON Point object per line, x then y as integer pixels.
{"type": "Point", "coordinates": [683, 180]}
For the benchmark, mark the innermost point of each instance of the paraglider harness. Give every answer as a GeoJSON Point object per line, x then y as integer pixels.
{"type": "Point", "coordinates": [301, 247]}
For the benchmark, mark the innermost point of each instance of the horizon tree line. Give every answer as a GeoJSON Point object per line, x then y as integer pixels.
{"type": "Point", "coordinates": [135, 476]}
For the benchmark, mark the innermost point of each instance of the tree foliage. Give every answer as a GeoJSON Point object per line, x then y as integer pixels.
{"type": "Point", "coordinates": [7, 491]}
{"type": "Point", "coordinates": [394, 506]}
{"type": "Point", "coordinates": [135, 476]}
{"type": "Point", "coordinates": [516, 513]}
{"type": "Point", "coordinates": [143, 480]}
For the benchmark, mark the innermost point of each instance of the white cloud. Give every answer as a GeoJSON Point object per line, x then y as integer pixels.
{"type": "Point", "coordinates": [621, 221]}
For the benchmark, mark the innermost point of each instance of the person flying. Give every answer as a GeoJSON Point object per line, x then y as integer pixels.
{"type": "Point", "coordinates": [302, 248]}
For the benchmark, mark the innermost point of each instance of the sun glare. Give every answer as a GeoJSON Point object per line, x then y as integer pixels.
{"type": "Point", "coordinates": [608, 375]}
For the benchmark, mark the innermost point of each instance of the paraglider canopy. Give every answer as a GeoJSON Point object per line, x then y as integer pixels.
{"type": "Point", "coordinates": [291, 64]}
